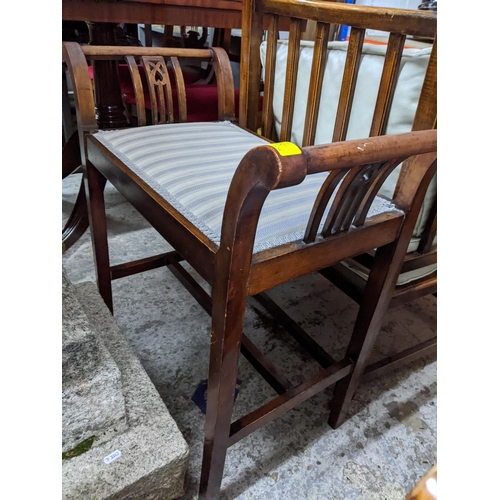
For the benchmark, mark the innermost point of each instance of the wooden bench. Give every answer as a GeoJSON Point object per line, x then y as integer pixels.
{"type": "Point", "coordinates": [248, 214]}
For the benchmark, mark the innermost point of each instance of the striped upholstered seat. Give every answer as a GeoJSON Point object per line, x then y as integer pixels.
{"type": "Point", "coordinates": [194, 176]}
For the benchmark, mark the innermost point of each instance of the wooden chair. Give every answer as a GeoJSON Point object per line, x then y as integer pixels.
{"type": "Point", "coordinates": [394, 94]}
{"type": "Point", "coordinates": [246, 214]}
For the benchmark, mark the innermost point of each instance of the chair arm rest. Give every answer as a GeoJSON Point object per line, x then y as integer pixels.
{"type": "Point", "coordinates": [78, 68]}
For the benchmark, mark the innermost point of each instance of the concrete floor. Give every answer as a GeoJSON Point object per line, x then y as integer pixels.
{"type": "Point", "coordinates": [380, 452]}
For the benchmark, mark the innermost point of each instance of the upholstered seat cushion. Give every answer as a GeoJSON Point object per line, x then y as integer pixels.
{"type": "Point", "coordinates": [191, 165]}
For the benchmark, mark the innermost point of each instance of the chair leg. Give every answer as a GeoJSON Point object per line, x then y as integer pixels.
{"type": "Point", "coordinates": [375, 303]}
{"type": "Point", "coordinates": [227, 324]}
{"type": "Point", "coordinates": [78, 221]}
{"type": "Point", "coordinates": [71, 158]}
{"type": "Point", "coordinates": [94, 189]}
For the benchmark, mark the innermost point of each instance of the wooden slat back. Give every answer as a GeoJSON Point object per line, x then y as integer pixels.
{"type": "Point", "coordinates": [181, 89]}
{"type": "Point", "coordinates": [151, 65]}
{"type": "Point", "coordinates": [316, 83]}
{"type": "Point", "coordinates": [348, 84]}
{"type": "Point", "coordinates": [349, 191]}
{"type": "Point", "coordinates": [160, 89]}
{"type": "Point", "coordinates": [291, 79]}
{"type": "Point", "coordinates": [352, 202]}
{"type": "Point", "coordinates": [267, 112]}
{"type": "Point", "coordinates": [349, 194]}
{"type": "Point", "coordinates": [138, 90]}
{"type": "Point", "coordinates": [353, 190]}
{"type": "Point", "coordinates": [387, 87]}
{"type": "Point", "coordinates": [399, 23]}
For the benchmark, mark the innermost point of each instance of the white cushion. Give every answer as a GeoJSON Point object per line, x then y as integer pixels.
{"type": "Point", "coordinates": [413, 66]}
{"type": "Point", "coordinates": [403, 278]}
{"type": "Point", "coordinates": [191, 165]}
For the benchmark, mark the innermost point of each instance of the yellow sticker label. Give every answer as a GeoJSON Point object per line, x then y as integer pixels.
{"type": "Point", "coordinates": [286, 148]}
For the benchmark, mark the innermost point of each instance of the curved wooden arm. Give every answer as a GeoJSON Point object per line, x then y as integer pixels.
{"type": "Point", "coordinates": [78, 69]}
{"type": "Point", "coordinates": [260, 171]}
{"type": "Point", "coordinates": [347, 154]}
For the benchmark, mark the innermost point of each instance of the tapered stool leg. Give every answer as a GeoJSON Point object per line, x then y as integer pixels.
{"type": "Point", "coordinates": [94, 188]}
{"type": "Point", "coordinates": [375, 303]}
{"type": "Point", "coordinates": [227, 324]}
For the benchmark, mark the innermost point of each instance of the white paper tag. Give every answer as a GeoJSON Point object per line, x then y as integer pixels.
{"type": "Point", "coordinates": [111, 458]}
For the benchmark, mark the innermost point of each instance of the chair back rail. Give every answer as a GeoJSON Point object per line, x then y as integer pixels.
{"type": "Point", "coordinates": [408, 22]}
{"type": "Point", "coordinates": [155, 65]}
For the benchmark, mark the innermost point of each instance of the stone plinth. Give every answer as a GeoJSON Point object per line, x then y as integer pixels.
{"type": "Point", "coordinates": [151, 452]}
{"type": "Point", "coordinates": [92, 397]}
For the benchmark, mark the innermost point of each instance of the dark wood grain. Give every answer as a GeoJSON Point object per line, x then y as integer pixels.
{"type": "Point", "coordinates": [214, 13]}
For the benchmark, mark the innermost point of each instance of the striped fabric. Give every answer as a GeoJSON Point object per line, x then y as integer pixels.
{"type": "Point", "coordinates": [191, 165]}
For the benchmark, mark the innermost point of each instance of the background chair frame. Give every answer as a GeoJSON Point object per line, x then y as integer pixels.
{"type": "Point", "coordinates": [399, 24]}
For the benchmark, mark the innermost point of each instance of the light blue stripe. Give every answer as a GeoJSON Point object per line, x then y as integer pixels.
{"type": "Point", "coordinates": [192, 164]}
